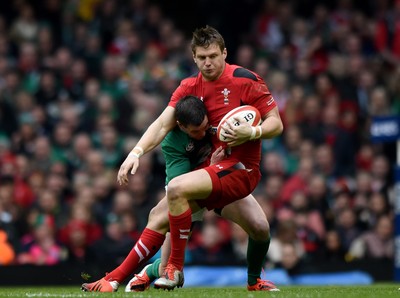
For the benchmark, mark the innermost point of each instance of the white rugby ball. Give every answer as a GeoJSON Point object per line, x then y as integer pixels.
{"type": "Point", "coordinates": [245, 113]}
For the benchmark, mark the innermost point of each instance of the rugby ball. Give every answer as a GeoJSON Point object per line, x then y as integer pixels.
{"type": "Point", "coordinates": [245, 113]}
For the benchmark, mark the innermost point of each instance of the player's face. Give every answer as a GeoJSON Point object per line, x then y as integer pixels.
{"type": "Point", "coordinates": [197, 132]}
{"type": "Point", "coordinates": [210, 61]}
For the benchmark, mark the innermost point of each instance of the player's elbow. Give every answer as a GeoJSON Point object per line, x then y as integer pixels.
{"type": "Point", "coordinates": [279, 129]}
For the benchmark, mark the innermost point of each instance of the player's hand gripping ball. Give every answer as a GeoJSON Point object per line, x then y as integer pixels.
{"type": "Point", "coordinates": [245, 113]}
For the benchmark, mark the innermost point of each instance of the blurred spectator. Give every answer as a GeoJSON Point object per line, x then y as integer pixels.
{"type": "Point", "coordinates": [245, 56]}
{"type": "Point", "coordinates": [278, 85]}
{"type": "Point", "coordinates": [40, 247]}
{"type": "Point", "coordinates": [377, 243]}
{"type": "Point", "coordinates": [376, 207]}
{"type": "Point", "coordinates": [325, 163]}
{"type": "Point", "coordinates": [311, 124]}
{"type": "Point", "coordinates": [143, 198]}
{"type": "Point", "coordinates": [81, 148]}
{"type": "Point", "coordinates": [62, 141]}
{"type": "Point", "coordinates": [286, 234]}
{"type": "Point", "coordinates": [308, 220]}
{"type": "Point", "coordinates": [267, 28]}
{"type": "Point", "coordinates": [43, 157]}
{"type": "Point", "coordinates": [130, 224]}
{"type": "Point", "coordinates": [340, 135]}
{"type": "Point", "coordinates": [319, 198]}
{"type": "Point", "coordinates": [271, 190]}
{"type": "Point", "coordinates": [332, 250]}
{"type": "Point", "coordinates": [292, 113]}
{"type": "Point", "coordinates": [273, 164]}
{"type": "Point", "coordinates": [291, 261]}
{"type": "Point", "coordinates": [379, 104]}
{"type": "Point", "coordinates": [387, 33]}
{"type": "Point", "coordinates": [28, 65]}
{"type": "Point", "coordinates": [364, 157]}
{"type": "Point", "coordinates": [48, 89]}
{"type": "Point", "coordinates": [113, 246]}
{"type": "Point", "coordinates": [103, 189]}
{"type": "Point", "coordinates": [291, 140]}
{"type": "Point", "coordinates": [49, 204]}
{"type": "Point", "coordinates": [299, 180]}
{"type": "Point", "coordinates": [302, 76]}
{"type": "Point", "coordinates": [25, 27]}
{"type": "Point", "coordinates": [381, 174]}
{"type": "Point", "coordinates": [346, 225]}
{"type": "Point", "coordinates": [110, 147]}
{"type": "Point", "coordinates": [79, 231]}
{"type": "Point", "coordinates": [210, 241]}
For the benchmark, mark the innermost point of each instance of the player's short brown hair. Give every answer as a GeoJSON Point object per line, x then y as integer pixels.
{"type": "Point", "coordinates": [204, 37]}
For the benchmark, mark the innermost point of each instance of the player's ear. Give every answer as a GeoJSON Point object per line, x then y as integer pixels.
{"type": "Point", "coordinates": [225, 53]}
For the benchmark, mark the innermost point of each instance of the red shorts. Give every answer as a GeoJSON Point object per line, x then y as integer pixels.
{"type": "Point", "coordinates": [231, 182]}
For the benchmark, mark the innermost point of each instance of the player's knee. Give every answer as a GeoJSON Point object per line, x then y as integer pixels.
{"type": "Point", "coordinates": [174, 189]}
{"type": "Point", "coordinates": [260, 230]}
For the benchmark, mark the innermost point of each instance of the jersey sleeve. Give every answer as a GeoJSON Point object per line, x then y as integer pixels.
{"type": "Point", "coordinates": [257, 94]}
{"type": "Point", "coordinates": [179, 93]}
{"type": "Point", "coordinates": [176, 161]}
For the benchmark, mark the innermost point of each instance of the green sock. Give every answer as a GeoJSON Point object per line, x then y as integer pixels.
{"type": "Point", "coordinates": [152, 270]}
{"type": "Point", "coordinates": [256, 255]}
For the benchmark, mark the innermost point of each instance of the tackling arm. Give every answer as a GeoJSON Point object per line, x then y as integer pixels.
{"type": "Point", "coordinates": [152, 137]}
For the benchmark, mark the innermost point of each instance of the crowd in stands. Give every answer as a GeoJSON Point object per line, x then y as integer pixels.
{"type": "Point", "coordinates": [80, 81]}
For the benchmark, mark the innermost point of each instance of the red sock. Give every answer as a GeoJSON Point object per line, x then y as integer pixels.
{"type": "Point", "coordinates": [146, 247]}
{"type": "Point", "coordinates": [180, 231]}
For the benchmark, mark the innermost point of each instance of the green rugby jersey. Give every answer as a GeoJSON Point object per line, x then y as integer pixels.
{"type": "Point", "coordinates": [183, 154]}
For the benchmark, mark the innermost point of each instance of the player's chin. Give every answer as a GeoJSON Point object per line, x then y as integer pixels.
{"type": "Point", "coordinates": [209, 74]}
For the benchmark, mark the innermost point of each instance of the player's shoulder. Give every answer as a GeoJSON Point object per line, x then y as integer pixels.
{"type": "Point", "coordinates": [190, 80]}
{"type": "Point", "coordinates": [243, 73]}
{"type": "Point", "coordinates": [174, 137]}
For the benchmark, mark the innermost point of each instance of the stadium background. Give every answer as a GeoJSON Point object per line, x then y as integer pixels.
{"type": "Point", "coordinates": [81, 80]}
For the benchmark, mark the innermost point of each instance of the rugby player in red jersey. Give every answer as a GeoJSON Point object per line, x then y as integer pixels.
{"type": "Point", "coordinates": [222, 87]}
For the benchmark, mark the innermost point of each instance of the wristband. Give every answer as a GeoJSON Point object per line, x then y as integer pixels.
{"type": "Point", "coordinates": [253, 133]}
{"type": "Point", "coordinates": [134, 154]}
{"type": "Point", "coordinates": [137, 154]}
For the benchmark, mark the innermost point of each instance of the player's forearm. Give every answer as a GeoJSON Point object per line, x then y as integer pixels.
{"type": "Point", "coordinates": [270, 128]}
{"type": "Point", "coordinates": [156, 132]}
{"type": "Point", "coordinates": [272, 125]}
{"type": "Point", "coordinates": [152, 137]}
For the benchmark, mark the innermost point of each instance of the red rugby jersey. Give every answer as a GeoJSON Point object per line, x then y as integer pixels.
{"type": "Point", "coordinates": [237, 86]}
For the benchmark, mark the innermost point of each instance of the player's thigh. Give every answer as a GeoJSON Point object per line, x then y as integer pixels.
{"type": "Point", "coordinates": [248, 214]}
{"type": "Point", "coordinates": [158, 217]}
{"type": "Point", "coordinates": [196, 185]}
